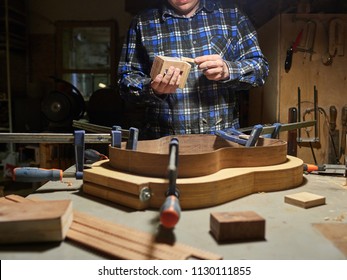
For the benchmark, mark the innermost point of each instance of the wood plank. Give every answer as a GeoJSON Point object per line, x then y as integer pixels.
{"type": "Point", "coordinates": [197, 192]}
{"type": "Point", "coordinates": [336, 233]}
{"type": "Point", "coordinates": [34, 222]}
{"type": "Point", "coordinates": [129, 199]}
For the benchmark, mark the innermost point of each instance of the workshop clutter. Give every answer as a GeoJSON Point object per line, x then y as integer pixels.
{"type": "Point", "coordinates": [309, 53]}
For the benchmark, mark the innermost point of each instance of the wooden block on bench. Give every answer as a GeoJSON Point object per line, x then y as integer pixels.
{"type": "Point", "coordinates": [162, 63]}
{"type": "Point", "coordinates": [237, 226]}
{"type": "Point", "coordinates": [41, 221]}
{"type": "Point", "coordinates": [305, 199]}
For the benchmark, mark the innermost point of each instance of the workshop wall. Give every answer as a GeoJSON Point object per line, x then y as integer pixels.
{"type": "Point", "coordinates": [42, 18]}
{"type": "Point", "coordinates": [43, 14]}
{"type": "Point", "coordinates": [309, 69]}
{"type": "Point", "coordinates": [268, 104]}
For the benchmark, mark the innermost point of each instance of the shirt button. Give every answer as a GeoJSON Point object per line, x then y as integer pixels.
{"type": "Point", "coordinates": [194, 42]}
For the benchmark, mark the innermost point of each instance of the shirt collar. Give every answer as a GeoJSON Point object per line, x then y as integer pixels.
{"type": "Point", "coordinates": [208, 5]}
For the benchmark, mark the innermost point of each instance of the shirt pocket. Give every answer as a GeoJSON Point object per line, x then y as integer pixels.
{"type": "Point", "coordinates": [223, 46]}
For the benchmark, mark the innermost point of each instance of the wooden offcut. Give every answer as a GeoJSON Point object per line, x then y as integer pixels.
{"type": "Point", "coordinates": [237, 226]}
{"type": "Point", "coordinates": [305, 199]}
{"type": "Point", "coordinates": [336, 233]}
{"type": "Point", "coordinates": [34, 222]}
{"type": "Point", "coordinates": [161, 65]}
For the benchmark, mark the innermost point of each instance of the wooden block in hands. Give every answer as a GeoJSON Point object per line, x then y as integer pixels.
{"type": "Point", "coordinates": [41, 221]}
{"type": "Point", "coordinates": [305, 199]}
{"type": "Point", "coordinates": [237, 226]}
{"type": "Point", "coordinates": [162, 63]}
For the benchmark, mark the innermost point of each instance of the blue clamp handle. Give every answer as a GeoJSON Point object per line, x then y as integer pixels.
{"type": "Point", "coordinates": [133, 138]}
{"type": "Point", "coordinates": [235, 136]}
{"type": "Point", "coordinates": [79, 152]}
{"type": "Point", "coordinates": [116, 137]}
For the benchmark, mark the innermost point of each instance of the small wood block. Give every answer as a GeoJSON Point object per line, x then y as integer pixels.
{"type": "Point", "coordinates": [35, 222]}
{"type": "Point", "coordinates": [305, 199]}
{"type": "Point", "coordinates": [162, 63]}
{"type": "Point", "coordinates": [237, 226]}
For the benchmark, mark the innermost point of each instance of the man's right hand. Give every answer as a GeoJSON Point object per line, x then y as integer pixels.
{"type": "Point", "coordinates": [167, 83]}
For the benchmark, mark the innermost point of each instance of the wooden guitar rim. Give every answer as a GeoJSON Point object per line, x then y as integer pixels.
{"type": "Point", "coordinates": [199, 155]}
{"type": "Point", "coordinates": [196, 192]}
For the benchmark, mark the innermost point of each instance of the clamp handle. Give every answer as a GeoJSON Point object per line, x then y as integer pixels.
{"type": "Point", "coordinates": [79, 152]}
{"type": "Point", "coordinates": [170, 211]}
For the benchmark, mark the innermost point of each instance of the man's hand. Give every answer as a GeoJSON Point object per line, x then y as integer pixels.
{"type": "Point", "coordinates": [168, 83]}
{"type": "Point", "coordinates": [213, 67]}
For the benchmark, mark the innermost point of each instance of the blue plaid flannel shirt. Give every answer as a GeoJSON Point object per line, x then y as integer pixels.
{"type": "Point", "coordinates": [203, 106]}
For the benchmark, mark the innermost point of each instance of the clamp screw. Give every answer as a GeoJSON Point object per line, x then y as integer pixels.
{"type": "Point", "coordinates": [145, 194]}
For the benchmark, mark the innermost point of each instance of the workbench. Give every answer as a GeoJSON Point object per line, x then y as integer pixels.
{"type": "Point", "coordinates": [289, 233]}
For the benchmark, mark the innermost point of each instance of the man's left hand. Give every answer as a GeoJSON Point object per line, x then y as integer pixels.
{"type": "Point", "coordinates": [213, 67]}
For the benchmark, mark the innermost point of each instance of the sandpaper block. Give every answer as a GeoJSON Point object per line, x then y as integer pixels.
{"type": "Point", "coordinates": [161, 65]}
{"type": "Point", "coordinates": [237, 226]}
{"type": "Point", "coordinates": [305, 199]}
{"type": "Point", "coordinates": [42, 221]}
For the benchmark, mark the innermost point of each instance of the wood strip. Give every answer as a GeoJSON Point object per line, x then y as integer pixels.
{"type": "Point", "coordinates": [130, 200]}
{"type": "Point", "coordinates": [336, 233]}
{"type": "Point", "coordinates": [121, 243]}
{"type": "Point", "coordinates": [146, 241]}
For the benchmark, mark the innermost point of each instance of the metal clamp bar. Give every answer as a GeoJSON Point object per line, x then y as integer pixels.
{"type": "Point", "coordinates": [52, 138]}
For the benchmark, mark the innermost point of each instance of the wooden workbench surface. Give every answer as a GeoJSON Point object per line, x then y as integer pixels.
{"type": "Point", "coordinates": [291, 232]}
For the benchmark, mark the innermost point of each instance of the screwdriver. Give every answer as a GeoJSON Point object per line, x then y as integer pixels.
{"type": "Point", "coordinates": [170, 211]}
{"type": "Point", "coordinates": [35, 174]}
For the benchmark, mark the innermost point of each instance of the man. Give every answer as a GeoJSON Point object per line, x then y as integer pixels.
{"type": "Point", "coordinates": [227, 59]}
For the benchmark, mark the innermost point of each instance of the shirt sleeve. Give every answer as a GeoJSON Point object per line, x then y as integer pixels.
{"type": "Point", "coordinates": [134, 66]}
{"type": "Point", "coordinates": [251, 68]}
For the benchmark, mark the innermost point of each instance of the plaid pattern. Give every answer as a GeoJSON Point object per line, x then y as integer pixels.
{"type": "Point", "coordinates": [203, 106]}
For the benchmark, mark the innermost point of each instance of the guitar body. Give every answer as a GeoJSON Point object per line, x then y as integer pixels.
{"type": "Point", "coordinates": [211, 171]}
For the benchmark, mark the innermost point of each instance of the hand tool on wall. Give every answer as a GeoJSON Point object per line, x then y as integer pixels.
{"type": "Point", "coordinates": [336, 37]}
{"type": "Point", "coordinates": [292, 134]}
{"type": "Point", "coordinates": [170, 211]}
{"type": "Point", "coordinates": [292, 49]}
{"type": "Point", "coordinates": [309, 140]}
{"type": "Point", "coordinates": [333, 148]}
{"type": "Point", "coordinates": [335, 41]}
{"type": "Point", "coordinates": [343, 132]}
{"type": "Point", "coordinates": [309, 36]}
{"type": "Point", "coordinates": [315, 137]}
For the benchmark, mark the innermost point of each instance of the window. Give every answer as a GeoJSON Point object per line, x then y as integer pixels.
{"type": "Point", "coordinates": [86, 54]}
